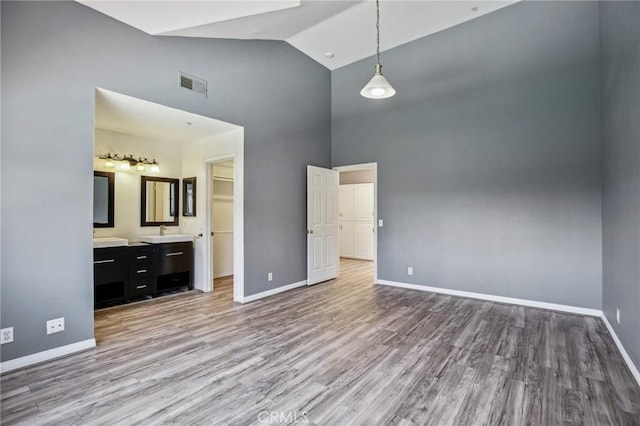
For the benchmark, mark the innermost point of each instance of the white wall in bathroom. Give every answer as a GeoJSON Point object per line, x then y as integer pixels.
{"type": "Point", "coordinates": [127, 183]}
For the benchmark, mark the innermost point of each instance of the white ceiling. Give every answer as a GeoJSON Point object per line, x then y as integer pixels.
{"type": "Point", "coordinates": [133, 116]}
{"type": "Point", "coordinates": [315, 27]}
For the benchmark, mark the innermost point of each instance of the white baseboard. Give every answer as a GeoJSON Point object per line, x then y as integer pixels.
{"type": "Point", "coordinates": [501, 299]}
{"type": "Point", "coordinates": [222, 274]}
{"type": "Point", "coordinates": [271, 292]}
{"type": "Point", "coordinates": [38, 357]}
{"type": "Point", "coordinates": [623, 352]}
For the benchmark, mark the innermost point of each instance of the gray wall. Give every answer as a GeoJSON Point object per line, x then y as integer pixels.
{"type": "Point", "coordinates": [54, 54]}
{"type": "Point", "coordinates": [488, 156]}
{"type": "Point", "coordinates": [620, 61]}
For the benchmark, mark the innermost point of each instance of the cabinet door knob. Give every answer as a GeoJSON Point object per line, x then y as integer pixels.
{"type": "Point", "coordinates": [178, 253]}
{"type": "Point", "coordinates": [104, 261]}
{"type": "Point", "coordinates": [141, 271]}
{"type": "Point", "coordinates": [141, 257]}
{"type": "Point", "coordinates": [141, 286]}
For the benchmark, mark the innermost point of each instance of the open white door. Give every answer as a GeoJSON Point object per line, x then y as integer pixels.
{"type": "Point", "coordinates": [322, 224]}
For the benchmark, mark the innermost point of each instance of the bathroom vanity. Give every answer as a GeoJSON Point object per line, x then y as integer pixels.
{"type": "Point", "coordinates": [156, 265]}
{"type": "Point", "coordinates": [140, 270]}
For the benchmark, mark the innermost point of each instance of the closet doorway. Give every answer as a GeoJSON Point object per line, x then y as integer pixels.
{"type": "Point", "coordinates": [358, 212]}
{"type": "Point", "coordinates": [222, 219]}
{"type": "Point", "coordinates": [225, 223]}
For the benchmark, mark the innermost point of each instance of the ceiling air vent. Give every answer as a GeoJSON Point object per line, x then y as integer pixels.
{"type": "Point", "coordinates": [192, 83]}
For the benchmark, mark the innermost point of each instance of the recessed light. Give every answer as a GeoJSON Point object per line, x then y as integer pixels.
{"type": "Point", "coordinates": [329, 55]}
{"type": "Point", "coordinates": [474, 9]}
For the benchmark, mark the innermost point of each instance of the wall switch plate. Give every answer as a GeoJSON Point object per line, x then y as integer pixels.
{"type": "Point", "coordinates": [270, 276]}
{"type": "Point", "coordinates": [6, 335]}
{"type": "Point", "coordinates": [380, 223]}
{"type": "Point", "coordinates": [55, 325]}
{"type": "Point", "coordinates": [410, 270]}
{"type": "Point", "coordinates": [618, 315]}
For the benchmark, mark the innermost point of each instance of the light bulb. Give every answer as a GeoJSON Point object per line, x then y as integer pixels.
{"type": "Point", "coordinates": [155, 167]}
{"type": "Point", "coordinates": [140, 167]}
{"type": "Point", "coordinates": [109, 163]}
{"type": "Point", "coordinates": [378, 91]}
{"type": "Point", "coordinates": [125, 165]}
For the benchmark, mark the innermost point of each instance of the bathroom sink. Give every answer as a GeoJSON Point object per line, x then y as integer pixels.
{"type": "Point", "coordinates": [109, 242]}
{"type": "Point", "coordinates": [169, 238]}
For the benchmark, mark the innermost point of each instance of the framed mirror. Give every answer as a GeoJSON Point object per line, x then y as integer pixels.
{"type": "Point", "coordinates": [159, 199]}
{"type": "Point", "coordinates": [189, 196]}
{"type": "Point", "coordinates": [104, 184]}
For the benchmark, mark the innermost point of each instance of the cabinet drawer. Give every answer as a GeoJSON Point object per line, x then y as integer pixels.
{"type": "Point", "coordinates": [140, 256]}
{"type": "Point", "coordinates": [141, 253]}
{"type": "Point", "coordinates": [109, 265]}
{"type": "Point", "coordinates": [140, 268]}
{"type": "Point", "coordinates": [140, 288]}
{"type": "Point", "coordinates": [172, 258]}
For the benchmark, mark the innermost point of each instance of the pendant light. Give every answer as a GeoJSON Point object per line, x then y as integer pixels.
{"type": "Point", "coordinates": [378, 87]}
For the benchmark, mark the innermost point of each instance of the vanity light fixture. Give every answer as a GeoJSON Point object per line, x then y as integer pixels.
{"type": "Point", "coordinates": [378, 87]}
{"type": "Point", "coordinates": [129, 161]}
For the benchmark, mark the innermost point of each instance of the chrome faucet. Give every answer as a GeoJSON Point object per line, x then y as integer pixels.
{"type": "Point", "coordinates": [163, 229]}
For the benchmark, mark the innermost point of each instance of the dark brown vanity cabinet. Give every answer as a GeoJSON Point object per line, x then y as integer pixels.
{"type": "Point", "coordinates": [109, 276]}
{"type": "Point", "coordinates": [123, 274]}
{"type": "Point", "coordinates": [142, 279]}
{"type": "Point", "coordinates": [174, 266]}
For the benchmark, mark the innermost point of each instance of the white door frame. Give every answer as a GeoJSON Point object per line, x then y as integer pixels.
{"type": "Point", "coordinates": [238, 223]}
{"type": "Point", "coordinates": [374, 167]}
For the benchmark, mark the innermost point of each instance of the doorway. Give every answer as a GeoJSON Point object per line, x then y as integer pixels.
{"type": "Point", "coordinates": [358, 215]}
{"type": "Point", "coordinates": [222, 201]}
{"type": "Point", "coordinates": [174, 144]}
{"type": "Point", "coordinates": [225, 224]}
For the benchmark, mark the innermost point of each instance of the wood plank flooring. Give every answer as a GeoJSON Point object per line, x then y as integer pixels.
{"type": "Point", "coordinates": [338, 353]}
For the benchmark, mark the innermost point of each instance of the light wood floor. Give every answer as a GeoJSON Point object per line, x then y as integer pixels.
{"type": "Point", "coordinates": [341, 352]}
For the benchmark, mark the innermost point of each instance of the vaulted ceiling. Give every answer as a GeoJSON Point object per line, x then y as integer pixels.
{"type": "Point", "coordinates": [125, 114]}
{"type": "Point", "coordinates": [335, 33]}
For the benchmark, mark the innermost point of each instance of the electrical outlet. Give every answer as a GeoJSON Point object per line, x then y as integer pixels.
{"type": "Point", "coordinates": [618, 315]}
{"type": "Point", "coordinates": [55, 325]}
{"type": "Point", "coordinates": [380, 223]}
{"type": "Point", "coordinates": [270, 276]}
{"type": "Point", "coordinates": [6, 335]}
{"type": "Point", "coordinates": [410, 270]}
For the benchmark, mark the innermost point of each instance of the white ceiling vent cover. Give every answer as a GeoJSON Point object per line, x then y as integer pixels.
{"type": "Point", "coordinates": [193, 83]}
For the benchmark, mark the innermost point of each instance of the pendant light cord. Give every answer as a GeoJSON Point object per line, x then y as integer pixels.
{"type": "Point", "coordinates": [378, 30]}
{"type": "Point", "coordinates": [378, 87]}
